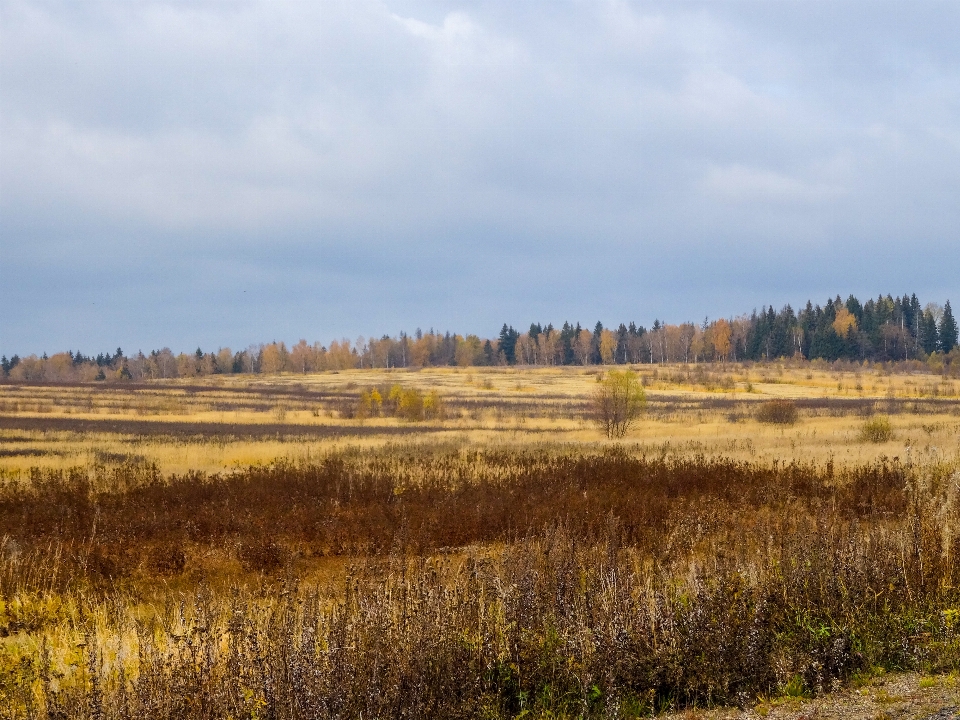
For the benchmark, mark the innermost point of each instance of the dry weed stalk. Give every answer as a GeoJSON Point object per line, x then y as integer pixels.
{"type": "Point", "coordinates": [478, 585]}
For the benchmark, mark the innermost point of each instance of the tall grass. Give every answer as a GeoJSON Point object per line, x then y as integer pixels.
{"type": "Point", "coordinates": [474, 585]}
{"type": "Point", "coordinates": [409, 500]}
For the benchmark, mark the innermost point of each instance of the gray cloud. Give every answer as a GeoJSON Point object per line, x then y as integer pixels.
{"type": "Point", "coordinates": [219, 173]}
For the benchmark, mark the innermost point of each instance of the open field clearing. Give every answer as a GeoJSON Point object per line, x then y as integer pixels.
{"type": "Point", "coordinates": [208, 426]}
{"type": "Point", "coordinates": [471, 545]}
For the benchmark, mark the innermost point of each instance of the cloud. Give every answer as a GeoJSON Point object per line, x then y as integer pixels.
{"type": "Point", "coordinates": [392, 163]}
{"type": "Point", "coordinates": [740, 184]}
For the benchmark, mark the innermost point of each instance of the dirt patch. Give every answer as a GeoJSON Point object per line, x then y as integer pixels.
{"type": "Point", "coordinates": [26, 452]}
{"type": "Point", "coordinates": [207, 430]}
{"type": "Point", "coordinates": [892, 697]}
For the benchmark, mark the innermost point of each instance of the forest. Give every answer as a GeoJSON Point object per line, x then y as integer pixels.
{"type": "Point", "coordinates": [887, 329]}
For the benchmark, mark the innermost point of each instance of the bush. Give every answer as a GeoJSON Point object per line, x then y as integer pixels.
{"type": "Point", "coordinates": [617, 402]}
{"type": "Point", "coordinates": [167, 560]}
{"type": "Point", "coordinates": [877, 430]}
{"type": "Point", "coordinates": [261, 556]}
{"type": "Point", "coordinates": [370, 404]}
{"type": "Point", "coordinates": [111, 561]}
{"type": "Point", "coordinates": [780, 412]}
{"type": "Point", "coordinates": [412, 405]}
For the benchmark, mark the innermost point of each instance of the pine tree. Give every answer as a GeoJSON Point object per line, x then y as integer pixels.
{"type": "Point", "coordinates": [948, 329]}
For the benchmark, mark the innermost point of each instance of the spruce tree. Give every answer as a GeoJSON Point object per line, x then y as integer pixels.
{"type": "Point", "coordinates": [948, 329]}
{"type": "Point", "coordinates": [595, 358]}
{"type": "Point", "coordinates": [928, 333]}
{"type": "Point", "coordinates": [508, 343]}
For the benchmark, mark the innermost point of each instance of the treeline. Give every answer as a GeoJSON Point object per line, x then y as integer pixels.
{"type": "Point", "coordinates": [887, 329]}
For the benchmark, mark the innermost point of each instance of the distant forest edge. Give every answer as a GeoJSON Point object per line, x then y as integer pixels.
{"type": "Point", "coordinates": [887, 329]}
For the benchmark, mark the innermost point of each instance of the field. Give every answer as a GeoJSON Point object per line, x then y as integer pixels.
{"type": "Point", "coordinates": [466, 543]}
{"type": "Point", "coordinates": [238, 421]}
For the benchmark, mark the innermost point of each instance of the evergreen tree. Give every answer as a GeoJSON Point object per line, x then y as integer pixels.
{"type": "Point", "coordinates": [808, 323]}
{"type": "Point", "coordinates": [756, 335]}
{"type": "Point", "coordinates": [855, 308]}
{"type": "Point", "coordinates": [620, 356]}
{"type": "Point", "coordinates": [929, 340]}
{"type": "Point", "coordinates": [595, 358]}
{"type": "Point", "coordinates": [508, 343]}
{"type": "Point", "coordinates": [566, 342]}
{"type": "Point", "coordinates": [825, 343]}
{"type": "Point", "coordinates": [488, 358]}
{"type": "Point", "coordinates": [948, 329]}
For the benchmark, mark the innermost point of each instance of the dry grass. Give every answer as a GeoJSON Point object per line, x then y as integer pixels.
{"type": "Point", "coordinates": [252, 548]}
{"type": "Point", "coordinates": [230, 422]}
{"type": "Point", "coordinates": [562, 582]}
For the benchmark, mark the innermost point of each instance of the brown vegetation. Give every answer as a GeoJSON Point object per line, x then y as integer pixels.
{"type": "Point", "coordinates": [487, 583]}
{"type": "Point", "coordinates": [265, 548]}
{"type": "Point", "coordinates": [779, 412]}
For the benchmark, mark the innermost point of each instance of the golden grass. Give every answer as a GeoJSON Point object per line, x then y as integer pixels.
{"type": "Point", "coordinates": [223, 423]}
{"type": "Point", "coordinates": [692, 409]}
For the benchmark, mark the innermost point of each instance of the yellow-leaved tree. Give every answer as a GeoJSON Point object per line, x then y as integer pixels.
{"type": "Point", "coordinates": [608, 346]}
{"type": "Point", "coordinates": [721, 339]}
{"type": "Point", "coordinates": [617, 402]}
{"type": "Point", "coordinates": [844, 322]}
{"type": "Point", "coordinates": [583, 347]}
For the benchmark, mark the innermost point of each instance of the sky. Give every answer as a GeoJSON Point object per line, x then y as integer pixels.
{"type": "Point", "coordinates": [216, 174]}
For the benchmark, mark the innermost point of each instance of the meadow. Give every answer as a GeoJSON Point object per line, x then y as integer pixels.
{"type": "Point", "coordinates": [466, 543]}
{"type": "Point", "coordinates": [225, 422]}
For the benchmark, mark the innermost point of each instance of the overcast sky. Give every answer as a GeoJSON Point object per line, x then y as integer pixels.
{"type": "Point", "coordinates": [223, 173]}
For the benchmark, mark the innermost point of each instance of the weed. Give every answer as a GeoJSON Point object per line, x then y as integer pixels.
{"type": "Point", "coordinates": [876, 430]}
{"type": "Point", "coordinates": [167, 560]}
{"type": "Point", "coordinates": [261, 555]}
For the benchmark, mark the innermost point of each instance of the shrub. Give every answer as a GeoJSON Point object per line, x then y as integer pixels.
{"type": "Point", "coordinates": [876, 430]}
{"type": "Point", "coordinates": [167, 561]}
{"type": "Point", "coordinates": [111, 561]}
{"type": "Point", "coordinates": [412, 405]}
{"type": "Point", "coordinates": [433, 405]}
{"type": "Point", "coordinates": [617, 402]}
{"type": "Point", "coordinates": [408, 403]}
{"type": "Point", "coordinates": [262, 556]}
{"type": "Point", "coordinates": [370, 404]}
{"type": "Point", "coordinates": [780, 412]}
